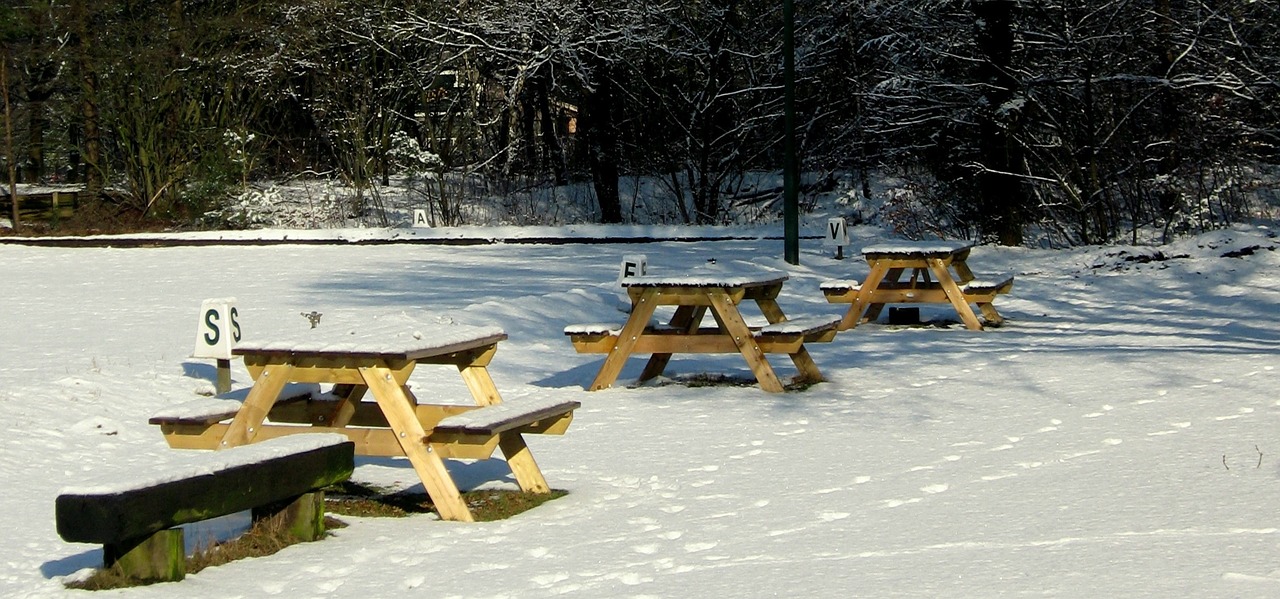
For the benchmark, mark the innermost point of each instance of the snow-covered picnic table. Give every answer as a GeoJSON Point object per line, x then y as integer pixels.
{"type": "Point", "coordinates": [379, 361]}
{"type": "Point", "coordinates": [939, 273]}
{"type": "Point", "coordinates": [693, 294]}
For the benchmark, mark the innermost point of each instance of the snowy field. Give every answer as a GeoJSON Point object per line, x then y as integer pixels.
{"type": "Point", "coordinates": [1118, 437]}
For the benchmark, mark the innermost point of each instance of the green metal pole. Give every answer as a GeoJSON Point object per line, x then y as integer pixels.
{"type": "Point", "coordinates": [790, 170]}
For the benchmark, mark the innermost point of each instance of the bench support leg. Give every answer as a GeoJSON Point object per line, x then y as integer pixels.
{"type": "Point", "coordinates": [805, 366]}
{"type": "Point", "coordinates": [989, 312]}
{"type": "Point", "coordinates": [520, 460]}
{"type": "Point", "coordinates": [161, 557]}
{"type": "Point", "coordinates": [303, 516]}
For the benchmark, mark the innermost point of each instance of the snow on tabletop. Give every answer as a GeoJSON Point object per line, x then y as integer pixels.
{"type": "Point", "coordinates": [497, 414]}
{"type": "Point", "coordinates": [917, 247]}
{"type": "Point", "coordinates": [710, 274]}
{"type": "Point", "coordinates": [385, 333]}
{"type": "Point", "coordinates": [182, 464]}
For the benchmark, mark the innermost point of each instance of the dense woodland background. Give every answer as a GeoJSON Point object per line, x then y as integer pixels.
{"type": "Point", "coordinates": [1082, 121]}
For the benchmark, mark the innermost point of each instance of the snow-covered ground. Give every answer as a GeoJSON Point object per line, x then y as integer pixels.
{"type": "Point", "coordinates": [1117, 438]}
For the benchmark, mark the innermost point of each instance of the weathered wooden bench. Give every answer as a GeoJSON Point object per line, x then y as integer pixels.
{"type": "Point", "coordinates": [135, 521]}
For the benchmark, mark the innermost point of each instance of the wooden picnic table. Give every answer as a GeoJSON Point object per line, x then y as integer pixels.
{"type": "Point", "coordinates": [694, 295]}
{"type": "Point", "coordinates": [935, 272]}
{"type": "Point", "coordinates": [395, 423]}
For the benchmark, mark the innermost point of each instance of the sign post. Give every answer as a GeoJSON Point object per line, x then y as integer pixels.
{"type": "Point", "coordinates": [216, 334]}
{"type": "Point", "coordinates": [634, 265]}
{"type": "Point", "coordinates": [837, 235]}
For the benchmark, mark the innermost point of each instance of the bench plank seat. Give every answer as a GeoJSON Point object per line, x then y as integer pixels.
{"type": "Point", "coordinates": [135, 521]}
{"type": "Point", "coordinates": [211, 485]}
{"type": "Point", "coordinates": [499, 418]}
{"type": "Point", "coordinates": [800, 326]}
{"type": "Point", "coordinates": [208, 410]}
{"type": "Point", "coordinates": [1000, 285]}
{"type": "Point", "coordinates": [784, 337]}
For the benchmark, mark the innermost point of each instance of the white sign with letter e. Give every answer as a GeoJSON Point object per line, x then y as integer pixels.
{"type": "Point", "coordinates": [837, 233]}
{"type": "Point", "coordinates": [635, 265]}
{"type": "Point", "coordinates": [218, 330]}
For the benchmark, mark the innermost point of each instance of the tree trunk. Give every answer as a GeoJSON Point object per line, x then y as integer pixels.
{"type": "Point", "coordinates": [550, 137]}
{"type": "Point", "coordinates": [1003, 198]}
{"type": "Point", "coordinates": [598, 128]}
{"type": "Point", "coordinates": [8, 138]}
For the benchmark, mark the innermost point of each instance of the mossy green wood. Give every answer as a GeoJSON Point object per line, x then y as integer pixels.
{"type": "Point", "coordinates": [160, 557]}
{"type": "Point", "coordinates": [303, 517]}
{"type": "Point", "coordinates": [110, 518]}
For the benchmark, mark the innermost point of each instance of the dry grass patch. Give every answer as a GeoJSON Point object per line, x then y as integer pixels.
{"type": "Point", "coordinates": [354, 499]}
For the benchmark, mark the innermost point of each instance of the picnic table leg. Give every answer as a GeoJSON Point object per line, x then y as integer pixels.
{"type": "Point", "coordinates": [248, 419]}
{"type": "Point", "coordinates": [989, 312]}
{"type": "Point", "coordinates": [398, 409]}
{"type": "Point", "coordinates": [686, 319]}
{"type": "Point", "coordinates": [520, 460]}
{"type": "Point", "coordinates": [961, 266]}
{"type": "Point", "coordinates": [805, 366]}
{"type": "Point", "coordinates": [863, 299]}
{"type": "Point", "coordinates": [475, 373]}
{"type": "Point", "coordinates": [731, 321]}
{"type": "Point", "coordinates": [641, 312]}
{"type": "Point", "coordinates": [348, 396]}
{"type": "Point", "coordinates": [949, 286]}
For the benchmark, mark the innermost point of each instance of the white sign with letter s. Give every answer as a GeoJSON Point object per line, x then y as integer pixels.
{"type": "Point", "coordinates": [218, 330]}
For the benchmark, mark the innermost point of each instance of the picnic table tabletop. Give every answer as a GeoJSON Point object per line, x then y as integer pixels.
{"type": "Point", "coordinates": [391, 341]}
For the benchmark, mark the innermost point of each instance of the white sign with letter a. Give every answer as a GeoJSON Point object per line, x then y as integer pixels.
{"type": "Point", "coordinates": [420, 218]}
{"type": "Point", "coordinates": [218, 330]}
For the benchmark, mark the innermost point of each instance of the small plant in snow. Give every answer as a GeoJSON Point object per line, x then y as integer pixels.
{"type": "Point", "coordinates": [410, 155]}
{"type": "Point", "coordinates": [252, 208]}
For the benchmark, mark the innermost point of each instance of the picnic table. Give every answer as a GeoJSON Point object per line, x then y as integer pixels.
{"type": "Point", "coordinates": [936, 272]}
{"type": "Point", "coordinates": [395, 422]}
{"type": "Point", "coordinates": [694, 295]}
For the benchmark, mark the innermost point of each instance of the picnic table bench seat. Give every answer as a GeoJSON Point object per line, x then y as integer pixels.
{"type": "Point", "coordinates": [135, 520]}
{"type": "Point", "coordinates": [1003, 284]}
{"type": "Point", "coordinates": [455, 431]}
{"type": "Point", "coordinates": [209, 410]}
{"type": "Point", "coordinates": [780, 337]}
{"type": "Point", "coordinates": [843, 291]}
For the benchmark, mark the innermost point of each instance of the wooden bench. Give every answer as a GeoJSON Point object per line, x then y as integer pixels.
{"type": "Point", "coordinates": [135, 521]}
{"type": "Point", "coordinates": [979, 292]}
{"type": "Point", "coordinates": [843, 291]}
{"type": "Point", "coordinates": [784, 337]}
{"type": "Point", "coordinates": [199, 423]}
